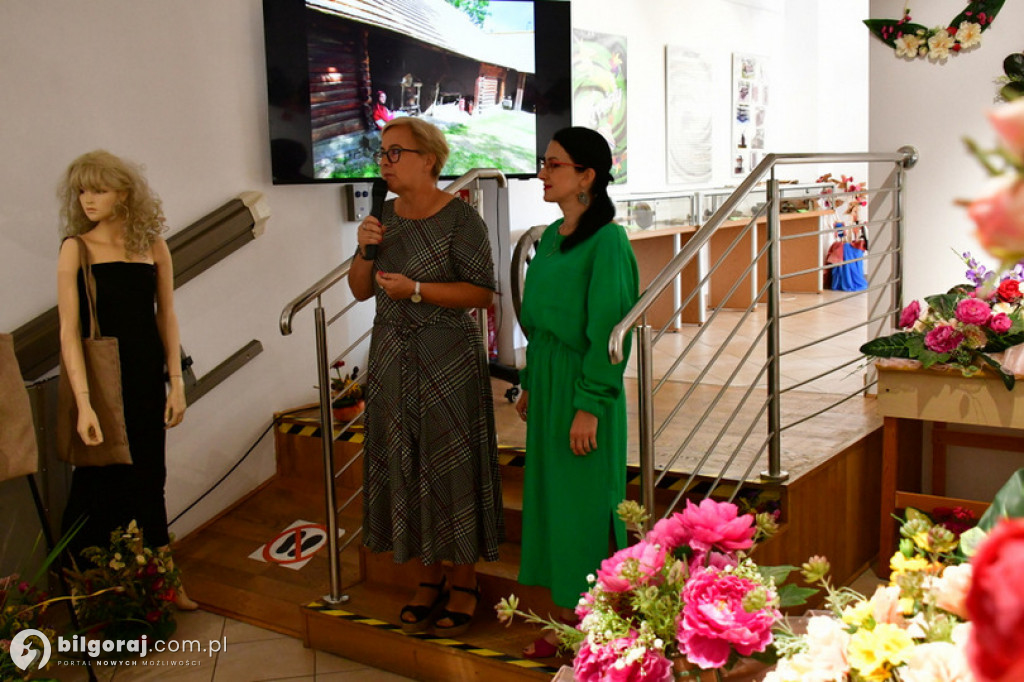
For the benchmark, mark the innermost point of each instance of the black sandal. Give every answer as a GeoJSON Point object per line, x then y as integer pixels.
{"type": "Point", "coordinates": [460, 621]}
{"type": "Point", "coordinates": [423, 613]}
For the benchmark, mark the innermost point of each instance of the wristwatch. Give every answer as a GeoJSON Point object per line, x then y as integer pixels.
{"type": "Point", "coordinates": [416, 297]}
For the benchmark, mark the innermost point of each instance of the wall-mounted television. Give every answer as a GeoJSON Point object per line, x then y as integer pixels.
{"type": "Point", "coordinates": [496, 78]}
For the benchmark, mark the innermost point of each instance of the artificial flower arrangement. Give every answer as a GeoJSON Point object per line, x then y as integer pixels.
{"type": "Point", "coordinates": [912, 40]}
{"type": "Point", "coordinates": [952, 612]}
{"type": "Point", "coordinates": [346, 393]}
{"type": "Point", "coordinates": [963, 327]}
{"type": "Point", "coordinates": [687, 595]}
{"type": "Point", "coordinates": [22, 607]}
{"type": "Point", "coordinates": [846, 185]}
{"type": "Point", "coordinates": [136, 585]}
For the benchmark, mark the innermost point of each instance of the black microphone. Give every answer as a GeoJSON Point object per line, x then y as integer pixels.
{"type": "Point", "coordinates": [377, 194]}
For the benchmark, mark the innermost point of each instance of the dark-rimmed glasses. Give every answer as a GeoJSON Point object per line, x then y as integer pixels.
{"type": "Point", "coordinates": [553, 164]}
{"type": "Point", "coordinates": [394, 154]}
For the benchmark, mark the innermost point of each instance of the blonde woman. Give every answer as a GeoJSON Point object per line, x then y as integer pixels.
{"type": "Point", "coordinates": [432, 490]}
{"type": "Point", "coordinates": [107, 203]}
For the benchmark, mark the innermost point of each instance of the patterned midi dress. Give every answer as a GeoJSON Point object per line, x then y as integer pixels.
{"type": "Point", "coordinates": [432, 485]}
{"type": "Point", "coordinates": [571, 302]}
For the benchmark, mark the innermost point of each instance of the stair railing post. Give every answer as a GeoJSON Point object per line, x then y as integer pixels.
{"type": "Point", "coordinates": [645, 405]}
{"type": "Point", "coordinates": [775, 474]}
{"type": "Point", "coordinates": [327, 441]}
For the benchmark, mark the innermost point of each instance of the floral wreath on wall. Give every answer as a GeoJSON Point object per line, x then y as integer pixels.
{"type": "Point", "coordinates": [912, 40]}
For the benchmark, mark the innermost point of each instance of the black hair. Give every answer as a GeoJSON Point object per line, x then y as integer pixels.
{"type": "Point", "coordinates": [589, 149]}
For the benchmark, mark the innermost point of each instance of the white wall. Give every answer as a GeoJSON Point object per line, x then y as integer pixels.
{"type": "Point", "coordinates": [932, 106]}
{"type": "Point", "coordinates": [180, 86]}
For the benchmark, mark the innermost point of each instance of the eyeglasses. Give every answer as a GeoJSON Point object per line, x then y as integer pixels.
{"type": "Point", "coordinates": [552, 164]}
{"type": "Point", "coordinates": [394, 154]}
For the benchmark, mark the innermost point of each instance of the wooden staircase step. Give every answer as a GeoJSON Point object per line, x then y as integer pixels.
{"type": "Point", "coordinates": [366, 629]}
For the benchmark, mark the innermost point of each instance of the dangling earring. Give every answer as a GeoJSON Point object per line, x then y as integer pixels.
{"type": "Point", "coordinates": [583, 198]}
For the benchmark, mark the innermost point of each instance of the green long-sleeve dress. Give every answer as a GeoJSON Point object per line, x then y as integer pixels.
{"type": "Point", "coordinates": [571, 301]}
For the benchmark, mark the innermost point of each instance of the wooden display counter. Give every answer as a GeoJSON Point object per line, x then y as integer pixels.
{"type": "Point", "coordinates": [797, 254]}
{"type": "Point", "coordinates": [654, 248]}
{"type": "Point", "coordinates": [909, 397]}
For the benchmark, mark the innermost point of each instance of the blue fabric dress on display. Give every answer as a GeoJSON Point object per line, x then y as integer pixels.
{"type": "Point", "coordinates": [849, 275]}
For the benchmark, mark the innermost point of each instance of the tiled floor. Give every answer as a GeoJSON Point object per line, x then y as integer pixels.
{"type": "Point", "coordinates": [250, 654]}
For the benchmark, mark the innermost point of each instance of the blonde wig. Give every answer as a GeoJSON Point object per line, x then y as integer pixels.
{"type": "Point", "coordinates": [141, 209]}
{"type": "Point", "coordinates": [428, 137]}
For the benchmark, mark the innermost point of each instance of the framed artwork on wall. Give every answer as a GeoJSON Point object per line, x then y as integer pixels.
{"type": "Point", "coordinates": [688, 108]}
{"type": "Point", "coordinates": [599, 90]}
{"type": "Point", "coordinates": [750, 90]}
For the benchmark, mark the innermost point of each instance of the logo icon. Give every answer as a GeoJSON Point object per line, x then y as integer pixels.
{"type": "Point", "coordinates": [22, 653]}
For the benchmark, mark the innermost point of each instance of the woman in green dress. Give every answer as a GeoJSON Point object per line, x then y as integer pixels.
{"type": "Point", "coordinates": [580, 284]}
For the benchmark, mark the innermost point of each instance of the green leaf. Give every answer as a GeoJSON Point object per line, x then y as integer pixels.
{"type": "Point", "coordinates": [1012, 91]}
{"type": "Point", "coordinates": [929, 358]}
{"type": "Point", "coordinates": [943, 304]}
{"type": "Point", "coordinates": [1008, 379]}
{"type": "Point", "coordinates": [1008, 502]}
{"type": "Point", "coordinates": [876, 25]}
{"type": "Point", "coordinates": [895, 346]}
{"type": "Point", "coordinates": [970, 539]}
{"type": "Point", "coordinates": [989, 7]}
{"type": "Point", "coordinates": [777, 573]}
{"type": "Point", "coordinates": [1014, 66]}
{"type": "Point", "coordinates": [1000, 343]}
{"type": "Point", "coordinates": [792, 595]}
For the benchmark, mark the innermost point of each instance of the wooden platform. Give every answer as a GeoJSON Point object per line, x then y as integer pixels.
{"type": "Point", "coordinates": [831, 510]}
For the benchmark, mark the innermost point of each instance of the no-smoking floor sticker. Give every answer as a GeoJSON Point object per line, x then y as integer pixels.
{"type": "Point", "coordinates": [294, 546]}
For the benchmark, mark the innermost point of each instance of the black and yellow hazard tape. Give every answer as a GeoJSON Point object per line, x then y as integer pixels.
{"type": "Point", "coordinates": [311, 429]}
{"type": "Point", "coordinates": [490, 654]}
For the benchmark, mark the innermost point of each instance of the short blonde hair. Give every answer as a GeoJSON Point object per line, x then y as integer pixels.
{"type": "Point", "coordinates": [428, 136]}
{"type": "Point", "coordinates": [141, 209]}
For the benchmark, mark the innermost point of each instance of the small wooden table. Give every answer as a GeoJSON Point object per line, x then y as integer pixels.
{"type": "Point", "coordinates": [909, 397]}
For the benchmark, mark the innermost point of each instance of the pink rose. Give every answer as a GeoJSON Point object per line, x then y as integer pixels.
{"type": "Point", "coordinates": [1000, 323]}
{"type": "Point", "coordinates": [714, 524]}
{"type": "Point", "coordinates": [950, 590]}
{"type": "Point", "coordinates": [669, 532]}
{"type": "Point", "coordinates": [1008, 120]}
{"type": "Point", "coordinates": [714, 620]}
{"type": "Point", "coordinates": [995, 603]}
{"type": "Point", "coordinates": [648, 560]}
{"type": "Point", "coordinates": [885, 605]}
{"type": "Point", "coordinates": [973, 311]}
{"type": "Point", "coordinates": [943, 339]}
{"type": "Point", "coordinates": [1000, 221]}
{"type": "Point", "coordinates": [910, 314]}
{"type": "Point", "coordinates": [596, 663]}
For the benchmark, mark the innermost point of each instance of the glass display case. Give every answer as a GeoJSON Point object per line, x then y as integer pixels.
{"type": "Point", "coordinates": [656, 210]}
{"type": "Point", "coordinates": [795, 197]}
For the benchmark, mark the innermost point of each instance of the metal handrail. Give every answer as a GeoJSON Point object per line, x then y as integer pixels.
{"type": "Point", "coordinates": [905, 157]}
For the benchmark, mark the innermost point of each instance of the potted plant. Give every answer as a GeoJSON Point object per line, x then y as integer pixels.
{"type": "Point", "coordinates": [346, 394]}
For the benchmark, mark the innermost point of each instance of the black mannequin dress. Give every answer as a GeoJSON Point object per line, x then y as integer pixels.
{"type": "Point", "coordinates": [111, 496]}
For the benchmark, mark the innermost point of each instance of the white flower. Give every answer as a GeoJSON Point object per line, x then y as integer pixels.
{"type": "Point", "coordinates": [1003, 307]}
{"type": "Point", "coordinates": [937, 662]}
{"type": "Point", "coordinates": [827, 641]}
{"type": "Point", "coordinates": [940, 44]}
{"type": "Point", "coordinates": [907, 46]}
{"type": "Point", "coordinates": [969, 34]}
